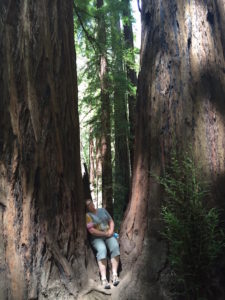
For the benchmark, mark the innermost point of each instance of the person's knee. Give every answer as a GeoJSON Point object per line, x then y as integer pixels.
{"type": "Point", "coordinates": [115, 250]}
{"type": "Point", "coordinates": [101, 252]}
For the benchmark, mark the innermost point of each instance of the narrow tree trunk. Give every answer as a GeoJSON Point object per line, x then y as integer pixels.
{"type": "Point", "coordinates": [131, 75]}
{"type": "Point", "coordinates": [41, 209]}
{"type": "Point", "coordinates": [180, 97]}
{"type": "Point", "coordinates": [92, 166]}
{"type": "Point", "coordinates": [98, 174]}
{"type": "Point", "coordinates": [122, 166]}
{"type": "Point", "coordinates": [86, 183]}
{"type": "Point", "coordinates": [105, 115]}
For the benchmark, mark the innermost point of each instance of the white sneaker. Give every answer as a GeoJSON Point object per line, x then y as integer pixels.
{"type": "Point", "coordinates": [105, 284]}
{"type": "Point", "coordinates": [115, 280]}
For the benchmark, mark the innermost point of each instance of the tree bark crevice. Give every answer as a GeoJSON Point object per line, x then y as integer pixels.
{"type": "Point", "coordinates": [39, 132]}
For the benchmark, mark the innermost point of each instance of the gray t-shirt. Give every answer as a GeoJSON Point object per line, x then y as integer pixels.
{"type": "Point", "coordinates": [100, 219]}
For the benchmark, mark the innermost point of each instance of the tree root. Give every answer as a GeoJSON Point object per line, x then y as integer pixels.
{"type": "Point", "coordinates": [65, 270]}
{"type": "Point", "coordinates": [92, 287]}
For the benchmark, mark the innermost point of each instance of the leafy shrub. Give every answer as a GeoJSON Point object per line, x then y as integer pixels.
{"type": "Point", "coordinates": [191, 228]}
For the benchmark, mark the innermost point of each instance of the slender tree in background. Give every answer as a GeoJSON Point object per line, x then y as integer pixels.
{"type": "Point", "coordinates": [92, 50]}
{"type": "Point", "coordinates": [92, 169]}
{"type": "Point", "coordinates": [105, 113]}
{"type": "Point", "coordinates": [122, 164]}
{"type": "Point", "coordinates": [180, 96]}
{"type": "Point", "coordinates": [117, 85]}
{"type": "Point", "coordinates": [89, 92]}
{"type": "Point", "coordinates": [98, 174]}
{"type": "Point", "coordinates": [131, 73]}
{"type": "Point", "coordinates": [41, 212]}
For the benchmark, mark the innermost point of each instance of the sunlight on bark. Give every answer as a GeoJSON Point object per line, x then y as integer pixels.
{"type": "Point", "coordinates": [201, 33]}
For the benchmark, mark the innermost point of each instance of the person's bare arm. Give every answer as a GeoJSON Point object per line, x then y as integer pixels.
{"type": "Point", "coordinates": [97, 232]}
{"type": "Point", "coordinates": [111, 227]}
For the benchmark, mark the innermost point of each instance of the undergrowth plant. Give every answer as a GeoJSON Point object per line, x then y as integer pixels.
{"type": "Point", "coordinates": [192, 229]}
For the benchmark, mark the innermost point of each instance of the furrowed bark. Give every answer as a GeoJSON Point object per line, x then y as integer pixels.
{"type": "Point", "coordinates": [180, 98]}
{"type": "Point", "coordinates": [40, 182]}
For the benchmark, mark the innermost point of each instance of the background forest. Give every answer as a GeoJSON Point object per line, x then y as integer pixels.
{"type": "Point", "coordinates": [104, 35]}
{"type": "Point", "coordinates": [148, 128]}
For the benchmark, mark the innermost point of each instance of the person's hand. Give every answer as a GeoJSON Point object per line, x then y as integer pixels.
{"type": "Point", "coordinates": [109, 233]}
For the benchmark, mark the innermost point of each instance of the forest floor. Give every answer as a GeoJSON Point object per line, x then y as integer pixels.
{"type": "Point", "coordinates": [94, 290]}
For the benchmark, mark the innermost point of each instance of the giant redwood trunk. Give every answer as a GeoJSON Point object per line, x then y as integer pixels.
{"type": "Point", "coordinates": [181, 94]}
{"type": "Point", "coordinates": [41, 212]}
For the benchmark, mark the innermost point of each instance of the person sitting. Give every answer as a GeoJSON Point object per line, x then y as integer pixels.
{"type": "Point", "coordinates": [100, 225]}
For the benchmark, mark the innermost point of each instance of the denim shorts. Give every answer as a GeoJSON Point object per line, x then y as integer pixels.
{"type": "Point", "coordinates": [102, 244]}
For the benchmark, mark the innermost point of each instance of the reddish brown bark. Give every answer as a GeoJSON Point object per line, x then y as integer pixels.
{"type": "Point", "coordinates": [92, 168]}
{"type": "Point", "coordinates": [86, 183]}
{"type": "Point", "coordinates": [98, 174]}
{"type": "Point", "coordinates": [41, 208]}
{"type": "Point", "coordinates": [180, 98]}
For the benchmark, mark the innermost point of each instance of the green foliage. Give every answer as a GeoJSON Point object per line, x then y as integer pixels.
{"type": "Point", "coordinates": [89, 48]}
{"type": "Point", "coordinates": [191, 228]}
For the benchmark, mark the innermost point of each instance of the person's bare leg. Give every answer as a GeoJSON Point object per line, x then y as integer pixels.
{"type": "Point", "coordinates": [102, 268]}
{"type": "Point", "coordinates": [115, 264]}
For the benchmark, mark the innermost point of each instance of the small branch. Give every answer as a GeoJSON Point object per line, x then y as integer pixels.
{"type": "Point", "coordinates": [86, 13]}
{"type": "Point", "coordinates": [93, 287]}
{"type": "Point", "coordinates": [139, 6]}
{"type": "Point", "coordinates": [97, 289]}
{"type": "Point", "coordinates": [86, 115]}
{"type": "Point", "coordinates": [90, 38]}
